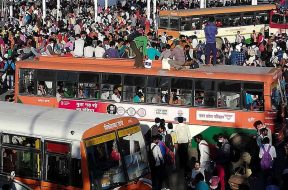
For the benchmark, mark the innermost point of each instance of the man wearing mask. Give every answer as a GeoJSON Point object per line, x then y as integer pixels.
{"type": "Point", "coordinates": [210, 35]}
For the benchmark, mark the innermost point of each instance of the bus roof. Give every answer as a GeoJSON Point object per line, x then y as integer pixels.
{"type": "Point", "coordinates": [216, 10]}
{"type": "Point", "coordinates": [49, 123]}
{"type": "Point", "coordinates": [224, 72]}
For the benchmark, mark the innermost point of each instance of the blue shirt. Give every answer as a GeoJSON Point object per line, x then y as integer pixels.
{"type": "Point", "coordinates": [152, 53]}
{"type": "Point", "coordinates": [210, 33]}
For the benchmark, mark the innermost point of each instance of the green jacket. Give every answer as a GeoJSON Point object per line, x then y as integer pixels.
{"type": "Point", "coordinates": [141, 43]}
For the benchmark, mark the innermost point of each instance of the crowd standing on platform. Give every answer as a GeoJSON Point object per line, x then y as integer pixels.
{"type": "Point", "coordinates": [222, 164]}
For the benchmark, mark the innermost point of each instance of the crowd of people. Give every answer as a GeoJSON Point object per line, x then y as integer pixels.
{"type": "Point", "coordinates": [229, 162]}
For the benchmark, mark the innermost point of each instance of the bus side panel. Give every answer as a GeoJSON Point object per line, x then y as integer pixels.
{"type": "Point", "coordinates": [84, 165]}
{"type": "Point", "coordinates": [38, 101]}
{"type": "Point", "coordinates": [32, 183]}
{"type": "Point", "coordinates": [52, 186]}
{"type": "Point", "coordinates": [225, 118]}
{"type": "Point", "coordinates": [136, 186]}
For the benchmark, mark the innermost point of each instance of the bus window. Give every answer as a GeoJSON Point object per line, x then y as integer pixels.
{"type": "Point", "coordinates": [196, 24]}
{"type": "Point", "coordinates": [185, 24]}
{"type": "Point", "coordinates": [88, 86]}
{"type": "Point", "coordinates": [253, 96]}
{"type": "Point", "coordinates": [104, 162]}
{"type": "Point", "coordinates": [183, 89]}
{"type": "Point", "coordinates": [133, 89]}
{"type": "Point", "coordinates": [278, 18]}
{"type": "Point", "coordinates": [132, 146]}
{"type": "Point", "coordinates": [57, 159]}
{"type": "Point", "coordinates": [25, 163]}
{"type": "Point", "coordinates": [164, 21]}
{"type": "Point", "coordinates": [22, 155]}
{"type": "Point", "coordinates": [158, 90]}
{"type": "Point", "coordinates": [248, 19]}
{"type": "Point", "coordinates": [174, 23]}
{"type": "Point", "coordinates": [110, 82]}
{"type": "Point", "coordinates": [228, 95]}
{"type": "Point", "coordinates": [45, 88]}
{"type": "Point", "coordinates": [45, 82]}
{"type": "Point", "coordinates": [26, 81]}
{"type": "Point", "coordinates": [67, 82]}
{"type": "Point", "coordinates": [261, 17]}
{"type": "Point", "coordinates": [204, 94]}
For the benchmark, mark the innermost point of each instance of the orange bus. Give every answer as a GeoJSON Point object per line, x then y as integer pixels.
{"type": "Point", "coordinates": [226, 97]}
{"type": "Point", "coordinates": [228, 19]}
{"type": "Point", "coordinates": [48, 149]}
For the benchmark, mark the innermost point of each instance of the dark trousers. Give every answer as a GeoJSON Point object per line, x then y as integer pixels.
{"type": "Point", "coordinates": [157, 177]}
{"type": "Point", "coordinates": [211, 47]}
{"type": "Point", "coordinates": [139, 56]}
{"type": "Point", "coordinates": [183, 154]}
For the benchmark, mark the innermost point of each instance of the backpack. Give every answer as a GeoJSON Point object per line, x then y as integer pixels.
{"type": "Point", "coordinates": [151, 158]}
{"type": "Point", "coordinates": [10, 70]}
{"type": "Point", "coordinates": [266, 160]}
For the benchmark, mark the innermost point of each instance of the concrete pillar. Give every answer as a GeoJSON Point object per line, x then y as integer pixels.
{"type": "Point", "coordinates": [106, 4]}
{"type": "Point", "coordinates": [148, 12]}
{"type": "Point", "coordinates": [11, 9]}
{"type": "Point", "coordinates": [202, 4]}
{"type": "Point", "coordinates": [44, 9]}
{"type": "Point", "coordinates": [58, 9]}
{"type": "Point", "coordinates": [254, 2]}
{"type": "Point", "coordinates": [95, 10]}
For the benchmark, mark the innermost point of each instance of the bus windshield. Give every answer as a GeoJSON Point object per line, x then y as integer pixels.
{"type": "Point", "coordinates": [104, 162]}
{"type": "Point", "coordinates": [132, 146]}
{"type": "Point", "coordinates": [108, 157]}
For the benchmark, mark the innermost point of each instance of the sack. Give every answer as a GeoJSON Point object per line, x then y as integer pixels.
{"type": "Point", "coordinates": [165, 64]}
{"type": "Point", "coordinates": [148, 64]}
{"type": "Point", "coordinates": [266, 160]}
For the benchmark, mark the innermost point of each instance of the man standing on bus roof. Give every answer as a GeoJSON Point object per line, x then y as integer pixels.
{"type": "Point", "coordinates": [210, 35]}
{"type": "Point", "coordinates": [138, 44]}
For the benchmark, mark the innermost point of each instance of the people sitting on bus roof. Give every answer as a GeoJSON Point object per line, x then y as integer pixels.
{"type": "Point", "coordinates": [178, 56]}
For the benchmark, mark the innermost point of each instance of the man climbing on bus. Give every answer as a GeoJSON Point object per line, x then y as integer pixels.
{"type": "Point", "coordinates": [138, 44]}
{"type": "Point", "coordinates": [210, 34]}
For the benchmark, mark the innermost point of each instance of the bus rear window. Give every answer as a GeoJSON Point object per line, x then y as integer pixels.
{"type": "Point", "coordinates": [59, 148]}
{"type": "Point", "coordinates": [163, 22]}
{"type": "Point", "coordinates": [174, 23]}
